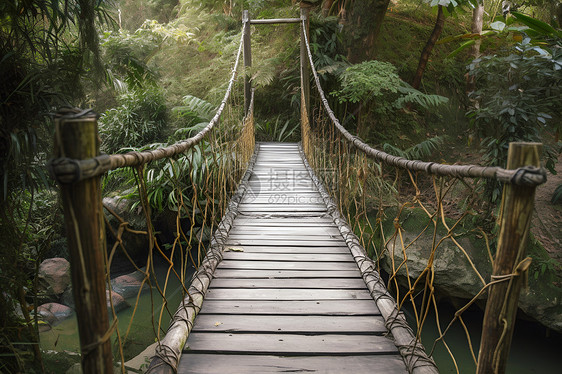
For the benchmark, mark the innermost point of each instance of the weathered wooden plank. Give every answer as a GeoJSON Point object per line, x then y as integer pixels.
{"type": "Point", "coordinates": [243, 256]}
{"type": "Point", "coordinates": [286, 249]}
{"type": "Point", "coordinates": [285, 237]}
{"type": "Point", "coordinates": [280, 208]}
{"type": "Point", "coordinates": [285, 294]}
{"type": "Point", "coordinates": [358, 307]}
{"type": "Point", "coordinates": [310, 283]}
{"type": "Point", "coordinates": [241, 229]}
{"type": "Point", "coordinates": [290, 324]}
{"type": "Point", "coordinates": [284, 274]}
{"type": "Point", "coordinates": [196, 363]}
{"type": "Point", "coordinates": [277, 200]}
{"type": "Point", "coordinates": [245, 220]}
{"type": "Point", "coordinates": [292, 243]}
{"type": "Point", "coordinates": [279, 265]}
{"type": "Point", "coordinates": [290, 344]}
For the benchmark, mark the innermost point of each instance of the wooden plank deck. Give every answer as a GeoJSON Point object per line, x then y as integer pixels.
{"type": "Point", "coordinates": [288, 297]}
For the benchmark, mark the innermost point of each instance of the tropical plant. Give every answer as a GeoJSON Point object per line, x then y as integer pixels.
{"type": "Point", "coordinates": [139, 120]}
{"type": "Point", "coordinates": [46, 47]}
{"type": "Point", "coordinates": [419, 151]}
{"type": "Point", "coordinates": [278, 130]}
{"type": "Point", "coordinates": [519, 99]}
{"type": "Point", "coordinates": [378, 82]}
{"type": "Point", "coordinates": [194, 114]}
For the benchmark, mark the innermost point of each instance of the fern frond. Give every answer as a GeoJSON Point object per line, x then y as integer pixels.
{"type": "Point", "coordinates": [413, 96]}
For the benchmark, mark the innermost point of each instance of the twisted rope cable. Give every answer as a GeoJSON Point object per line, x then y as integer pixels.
{"type": "Point", "coordinates": [523, 176]}
{"type": "Point", "coordinates": [65, 170]}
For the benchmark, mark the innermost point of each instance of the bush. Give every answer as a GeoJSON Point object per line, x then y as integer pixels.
{"type": "Point", "coordinates": [139, 120]}
{"type": "Point", "coordinates": [519, 99]}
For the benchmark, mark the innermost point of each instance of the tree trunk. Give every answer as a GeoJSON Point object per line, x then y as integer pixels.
{"type": "Point", "coordinates": [476, 28]}
{"type": "Point", "coordinates": [437, 29]}
{"type": "Point", "coordinates": [326, 6]}
{"type": "Point", "coordinates": [363, 28]}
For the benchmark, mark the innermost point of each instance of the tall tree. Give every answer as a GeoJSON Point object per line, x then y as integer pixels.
{"type": "Point", "coordinates": [362, 25]}
{"type": "Point", "coordinates": [426, 51]}
{"type": "Point", "coordinates": [476, 27]}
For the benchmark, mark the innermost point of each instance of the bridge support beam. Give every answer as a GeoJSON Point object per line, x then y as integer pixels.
{"type": "Point", "coordinates": [77, 138]}
{"type": "Point", "coordinates": [510, 264]}
{"type": "Point", "coordinates": [247, 60]}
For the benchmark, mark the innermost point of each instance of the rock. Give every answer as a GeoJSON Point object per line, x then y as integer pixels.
{"type": "Point", "coordinates": [119, 302]}
{"type": "Point", "coordinates": [454, 276]}
{"type": "Point", "coordinates": [135, 244]}
{"type": "Point", "coordinates": [54, 274]}
{"type": "Point", "coordinates": [54, 313]}
{"type": "Point", "coordinates": [545, 309]}
{"type": "Point", "coordinates": [143, 359]}
{"type": "Point", "coordinates": [129, 285]}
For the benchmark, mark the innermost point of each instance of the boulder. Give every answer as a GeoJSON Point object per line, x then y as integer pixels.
{"type": "Point", "coordinates": [454, 276]}
{"type": "Point", "coordinates": [54, 313]}
{"type": "Point", "coordinates": [119, 302]}
{"type": "Point", "coordinates": [54, 275]}
{"type": "Point", "coordinates": [136, 245]}
{"type": "Point", "coordinates": [128, 285]}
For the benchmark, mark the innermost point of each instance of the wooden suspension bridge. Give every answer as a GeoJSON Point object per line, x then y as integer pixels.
{"type": "Point", "coordinates": [288, 295]}
{"type": "Point", "coordinates": [288, 288]}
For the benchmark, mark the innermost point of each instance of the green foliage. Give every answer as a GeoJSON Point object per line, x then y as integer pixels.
{"type": "Point", "coordinates": [139, 120]}
{"type": "Point", "coordinates": [46, 48]}
{"type": "Point", "coordinates": [377, 83]}
{"type": "Point", "coordinates": [413, 96]}
{"type": "Point", "coordinates": [520, 99]}
{"type": "Point", "coordinates": [419, 151]}
{"type": "Point", "coordinates": [194, 114]}
{"type": "Point", "coordinates": [278, 130]}
{"type": "Point", "coordinates": [367, 81]}
{"type": "Point", "coordinates": [128, 54]}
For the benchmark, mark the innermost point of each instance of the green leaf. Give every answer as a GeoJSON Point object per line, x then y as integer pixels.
{"type": "Point", "coordinates": [462, 47]}
{"type": "Point", "coordinates": [535, 24]}
{"type": "Point", "coordinates": [498, 26]}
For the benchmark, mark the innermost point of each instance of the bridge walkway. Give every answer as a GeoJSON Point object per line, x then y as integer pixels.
{"type": "Point", "coordinates": [288, 295]}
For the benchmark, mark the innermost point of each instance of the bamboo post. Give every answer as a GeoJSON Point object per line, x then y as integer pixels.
{"type": "Point", "coordinates": [305, 73]}
{"type": "Point", "coordinates": [515, 221]}
{"type": "Point", "coordinates": [247, 60]}
{"type": "Point", "coordinates": [77, 138]}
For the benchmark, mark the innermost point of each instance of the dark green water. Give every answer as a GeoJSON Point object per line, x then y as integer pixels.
{"type": "Point", "coordinates": [531, 351]}
{"type": "Point", "coordinates": [64, 336]}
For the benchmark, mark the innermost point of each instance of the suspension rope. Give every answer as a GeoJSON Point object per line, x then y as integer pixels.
{"type": "Point", "coordinates": [65, 170]}
{"type": "Point", "coordinates": [523, 176]}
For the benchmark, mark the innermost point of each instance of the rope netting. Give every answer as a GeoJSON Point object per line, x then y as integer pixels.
{"type": "Point", "coordinates": [415, 219]}
{"type": "Point", "coordinates": [181, 198]}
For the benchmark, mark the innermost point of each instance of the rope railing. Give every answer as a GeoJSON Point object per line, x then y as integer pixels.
{"type": "Point", "coordinates": [416, 220]}
{"type": "Point", "coordinates": [523, 176]}
{"type": "Point", "coordinates": [184, 197]}
{"type": "Point", "coordinates": [66, 170]}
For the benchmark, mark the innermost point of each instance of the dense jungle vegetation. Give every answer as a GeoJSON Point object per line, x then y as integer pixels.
{"type": "Point", "coordinates": [425, 79]}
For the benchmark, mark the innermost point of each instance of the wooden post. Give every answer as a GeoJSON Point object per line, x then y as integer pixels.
{"type": "Point", "coordinates": [305, 73]}
{"type": "Point", "coordinates": [515, 221]}
{"type": "Point", "coordinates": [247, 60]}
{"type": "Point", "coordinates": [77, 138]}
